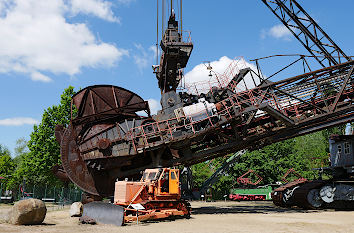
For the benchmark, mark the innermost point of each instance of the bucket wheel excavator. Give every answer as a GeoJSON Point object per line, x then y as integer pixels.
{"type": "Point", "coordinates": [109, 139]}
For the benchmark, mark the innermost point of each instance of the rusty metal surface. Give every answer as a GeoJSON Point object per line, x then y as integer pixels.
{"type": "Point", "coordinates": [104, 102]}
{"type": "Point", "coordinates": [60, 173]}
{"type": "Point", "coordinates": [99, 108]}
{"type": "Point", "coordinates": [278, 194]}
{"type": "Point", "coordinates": [74, 164]}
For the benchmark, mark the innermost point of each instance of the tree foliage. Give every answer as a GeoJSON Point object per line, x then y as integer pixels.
{"type": "Point", "coordinates": [44, 150]}
{"type": "Point", "coordinates": [271, 162]}
{"type": "Point", "coordinates": [21, 151]}
{"type": "Point", "coordinates": [7, 164]}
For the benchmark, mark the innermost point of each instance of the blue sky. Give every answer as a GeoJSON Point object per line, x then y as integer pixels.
{"type": "Point", "coordinates": [47, 45]}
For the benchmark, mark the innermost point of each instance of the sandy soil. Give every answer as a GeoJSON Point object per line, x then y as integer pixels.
{"type": "Point", "coordinates": [208, 217]}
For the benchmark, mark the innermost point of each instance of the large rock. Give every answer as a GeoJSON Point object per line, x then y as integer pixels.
{"type": "Point", "coordinates": [76, 209]}
{"type": "Point", "coordinates": [28, 212]}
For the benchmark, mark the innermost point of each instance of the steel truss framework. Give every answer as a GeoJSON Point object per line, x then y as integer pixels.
{"type": "Point", "coordinates": [250, 119]}
{"type": "Point", "coordinates": [261, 112]}
{"type": "Point", "coordinates": [307, 31]}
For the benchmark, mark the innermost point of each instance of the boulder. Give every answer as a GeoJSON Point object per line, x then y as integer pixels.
{"type": "Point", "coordinates": [76, 209]}
{"type": "Point", "coordinates": [87, 220]}
{"type": "Point", "coordinates": [28, 212]}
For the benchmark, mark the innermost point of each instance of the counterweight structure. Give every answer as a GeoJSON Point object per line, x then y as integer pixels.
{"type": "Point", "coordinates": [108, 139]}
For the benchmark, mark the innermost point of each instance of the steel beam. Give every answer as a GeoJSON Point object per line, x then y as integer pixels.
{"type": "Point", "coordinates": [311, 35]}
{"type": "Point", "coordinates": [350, 73]}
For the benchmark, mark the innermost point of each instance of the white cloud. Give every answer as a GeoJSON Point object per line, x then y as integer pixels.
{"type": "Point", "coordinates": [154, 106]}
{"type": "Point", "coordinates": [142, 57]}
{"type": "Point", "coordinates": [155, 50]}
{"type": "Point", "coordinates": [36, 76]}
{"type": "Point", "coordinates": [200, 73]}
{"type": "Point", "coordinates": [99, 8]}
{"type": "Point", "coordinates": [278, 31]}
{"type": "Point", "coordinates": [35, 37]}
{"type": "Point", "coordinates": [18, 121]}
{"type": "Point", "coordinates": [126, 2]}
{"type": "Point", "coordinates": [224, 69]}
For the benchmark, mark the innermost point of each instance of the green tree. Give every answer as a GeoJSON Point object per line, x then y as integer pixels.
{"type": "Point", "coordinates": [4, 150]}
{"type": "Point", "coordinates": [314, 147]}
{"type": "Point", "coordinates": [270, 162]}
{"type": "Point", "coordinates": [7, 164]}
{"type": "Point", "coordinates": [44, 150]}
{"type": "Point", "coordinates": [21, 151]}
{"type": "Point", "coordinates": [202, 171]}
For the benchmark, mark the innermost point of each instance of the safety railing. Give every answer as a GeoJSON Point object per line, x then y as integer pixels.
{"type": "Point", "coordinates": [292, 105]}
{"type": "Point", "coordinates": [172, 35]}
{"type": "Point", "coordinates": [233, 70]}
{"type": "Point", "coordinates": [218, 80]}
{"type": "Point", "coordinates": [164, 131]}
{"type": "Point", "coordinates": [187, 36]}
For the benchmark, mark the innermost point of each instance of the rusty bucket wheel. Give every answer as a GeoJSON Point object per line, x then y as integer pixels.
{"type": "Point", "coordinates": [77, 170]}
{"type": "Point", "coordinates": [73, 163]}
{"type": "Point", "coordinates": [100, 105]}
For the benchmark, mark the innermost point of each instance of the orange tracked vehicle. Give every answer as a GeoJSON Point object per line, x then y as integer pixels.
{"type": "Point", "coordinates": [158, 192]}
{"type": "Point", "coordinates": [156, 196]}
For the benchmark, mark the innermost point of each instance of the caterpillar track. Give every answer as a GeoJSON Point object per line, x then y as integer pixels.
{"type": "Point", "coordinates": [283, 196]}
{"type": "Point", "coordinates": [307, 195]}
{"type": "Point", "coordinates": [335, 193]}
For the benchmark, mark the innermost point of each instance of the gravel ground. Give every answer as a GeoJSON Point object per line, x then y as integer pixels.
{"type": "Point", "coordinates": [208, 217]}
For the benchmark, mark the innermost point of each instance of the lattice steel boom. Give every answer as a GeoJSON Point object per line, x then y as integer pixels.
{"type": "Point", "coordinates": [307, 31]}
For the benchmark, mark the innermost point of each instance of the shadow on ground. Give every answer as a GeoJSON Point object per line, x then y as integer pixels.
{"type": "Point", "coordinates": [248, 209]}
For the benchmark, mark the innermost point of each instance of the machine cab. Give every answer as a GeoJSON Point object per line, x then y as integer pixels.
{"type": "Point", "coordinates": [167, 180]}
{"type": "Point", "coordinates": [150, 175]}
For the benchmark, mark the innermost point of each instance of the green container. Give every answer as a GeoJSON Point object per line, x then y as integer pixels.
{"type": "Point", "coordinates": [261, 191]}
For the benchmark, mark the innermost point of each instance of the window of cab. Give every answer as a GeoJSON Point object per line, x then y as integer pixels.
{"type": "Point", "coordinates": [173, 175]}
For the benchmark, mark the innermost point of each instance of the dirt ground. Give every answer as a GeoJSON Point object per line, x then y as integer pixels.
{"type": "Point", "coordinates": [207, 217]}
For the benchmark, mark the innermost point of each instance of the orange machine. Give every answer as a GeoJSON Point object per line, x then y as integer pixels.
{"type": "Point", "coordinates": [157, 195]}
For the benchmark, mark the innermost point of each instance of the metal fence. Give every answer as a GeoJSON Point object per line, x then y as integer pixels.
{"type": "Point", "coordinates": [59, 195]}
